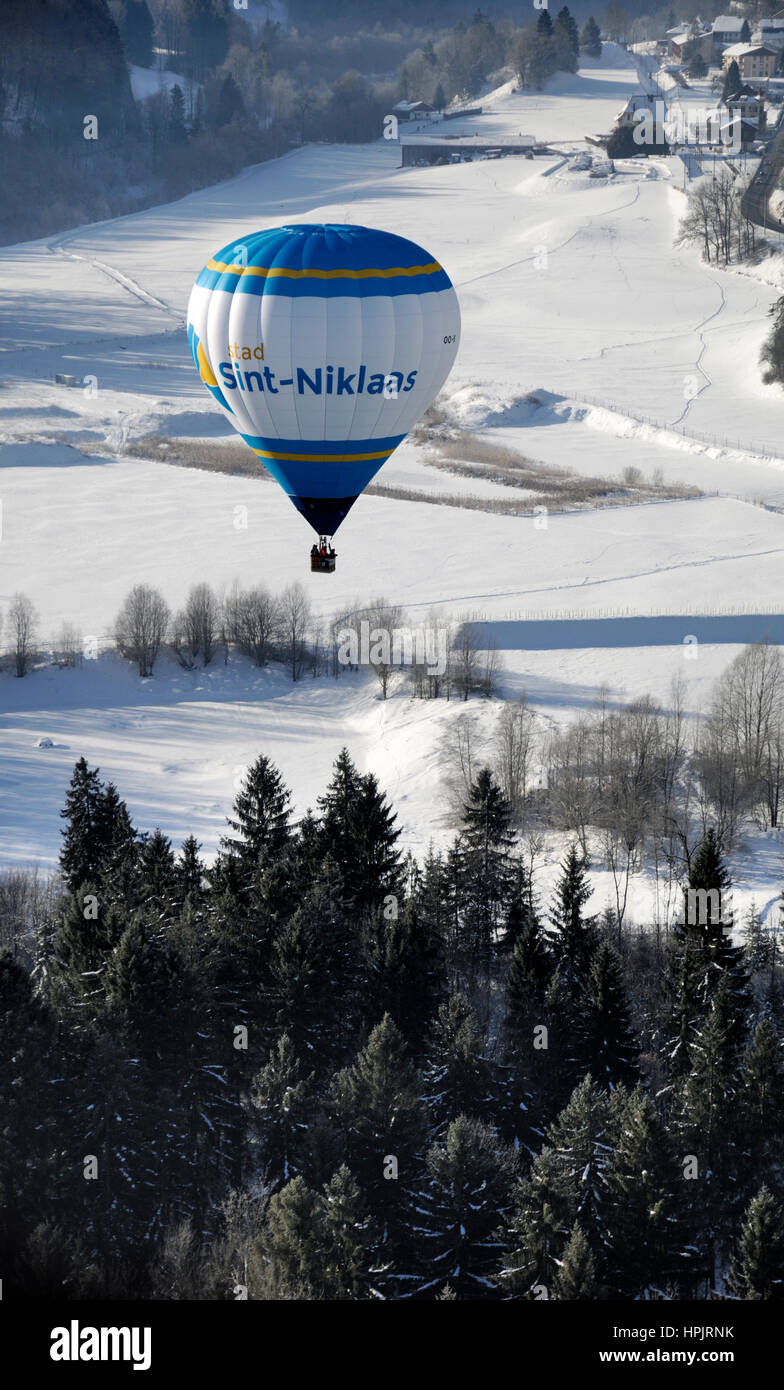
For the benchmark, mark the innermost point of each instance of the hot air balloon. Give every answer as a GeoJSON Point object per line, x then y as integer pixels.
{"type": "Point", "coordinates": [323, 345]}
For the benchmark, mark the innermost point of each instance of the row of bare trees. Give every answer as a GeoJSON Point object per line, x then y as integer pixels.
{"type": "Point", "coordinates": [260, 624]}
{"type": "Point", "coordinates": [438, 659]}
{"type": "Point", "coordinates": [715, 220]}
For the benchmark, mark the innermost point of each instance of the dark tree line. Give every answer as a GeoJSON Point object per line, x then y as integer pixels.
{"type": "Point", "coordinates": [319, 1070]}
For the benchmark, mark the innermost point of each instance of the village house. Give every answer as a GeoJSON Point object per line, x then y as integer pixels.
{"type": "Point", "coordinates": [730, 29]}
{"type": "Point", "coordinates": [753, 59]}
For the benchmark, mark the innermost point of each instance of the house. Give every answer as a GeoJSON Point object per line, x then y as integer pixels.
{"type": "Point", "coordinates": [412, 110]}
{"type": "Point", "coordinates": [685, 44]}
{"type": "Point", "coordinates": [750, 106]}
{"type": "Point", "coordinates": [639, 101]}
{"type": "Point", "coordinates": [753, 59]}
{"type": "Point", "coordinates": [770, 32]}
{"type": "Point", "coordinates": [730, 28]}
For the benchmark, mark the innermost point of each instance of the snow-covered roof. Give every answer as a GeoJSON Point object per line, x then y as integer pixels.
{"type": "Point", "coordinates": [741, 50]}
{"type": "Point", "coordinates": [728, 24]}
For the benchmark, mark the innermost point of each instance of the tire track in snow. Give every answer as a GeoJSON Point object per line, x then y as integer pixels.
{"type": "Point", "coordinates": [587, 583]}
{"type": "Point", "coordinates": [119, 277]}
{"type": "Point", "coordinates": [524, 259]}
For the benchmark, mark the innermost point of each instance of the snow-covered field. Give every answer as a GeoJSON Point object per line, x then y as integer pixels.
{"type": "Point", "coordinates": [571, 291]}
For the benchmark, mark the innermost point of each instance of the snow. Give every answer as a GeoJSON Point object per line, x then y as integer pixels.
{"type": "Point", "coordinates": [589, 341]}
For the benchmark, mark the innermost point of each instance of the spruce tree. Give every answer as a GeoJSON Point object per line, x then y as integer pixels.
{"type": "Point", "coordinates": [358, 834]}
{"type": "Point", "coordinates": [576, 1277]}
{"type": "Point", "coordinates": [486, 843]}
{"type": "Point", "coordinates": [469, 1192]}
{"type": "Point", "coordinates": [704, 961]}
{"type": "Point", "coordinates": [565, 19]}
{"type": "Point", "coordinates": [544, 24]}
{"type": "Point", "coordinates": [762, 1073]}
{"type": "Point", "coordinates": [646, 1242]}
{"type": "Point", "coordinates": [608, 1046]}
{"type": "Point", "coordinates": [261, 816]}
{"type": "Point", "coordinates": [573, 935]}
{"type": "Point", "coordinates": [280, 1094]}
{"type": "Point", "coordinates": [566, 1187]}
{"type": "Point", "coordinates": [460, 1079]}
{"type": "Point", "coordinates": [590, 38]}
{"type": "Point", "coordinates": [732, 81]}
{"type": "Point", "coordinates": [757, 1270]}
{"type": "Point", "coordinates": [286, 1263]}
{"type": "Point", "coordinates": [158, 884]}
{"type": "Point", "coordinates": [84, 844]}
{"type": "Point", "coordinates": [379, 1125]}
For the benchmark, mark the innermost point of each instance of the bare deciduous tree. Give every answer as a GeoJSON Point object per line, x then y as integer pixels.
{"type": "Point", "coordinates": [141, 625]}
{"type": "Point", "coordinates": [294, 623]}
{"type": "Point", "coordinates": [23, 620]}
{"type": "Point", "coordinates": [514, 738]}
{"type": "Point", "coordinates": [202, 622]}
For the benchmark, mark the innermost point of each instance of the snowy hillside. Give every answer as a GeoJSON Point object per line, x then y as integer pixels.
{"type": "Point", "coordinates": [588, 341]}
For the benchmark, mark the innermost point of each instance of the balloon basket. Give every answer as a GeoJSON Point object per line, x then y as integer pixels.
{"type": "Point", "coordinates": [322, 558]}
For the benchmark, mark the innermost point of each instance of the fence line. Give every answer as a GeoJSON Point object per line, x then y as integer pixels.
{"type": "Point", "coordinates": [701, 436]}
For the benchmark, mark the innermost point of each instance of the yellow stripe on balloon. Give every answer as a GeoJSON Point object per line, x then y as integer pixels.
{"type": "Point", "coordinates": [431, 269]}
{"type": "Point", "coordinates": [321, 458]}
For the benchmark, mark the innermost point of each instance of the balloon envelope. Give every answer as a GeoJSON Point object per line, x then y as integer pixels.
{"type": "Point", "coordinates": [323, 344]}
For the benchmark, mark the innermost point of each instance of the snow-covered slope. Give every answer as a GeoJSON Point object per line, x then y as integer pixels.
{"type": "Point", "coordinates": [571, 292]}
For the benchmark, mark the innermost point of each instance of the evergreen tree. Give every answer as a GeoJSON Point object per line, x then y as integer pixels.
{"type": "Point", "coordinates": [137, 32]}
{"type": "Point", "coordinates": [566, 1187]}
{"type": "Point", "coordinates": [574, 935]}
{"type": "Point", "coordinates": [27, 1105]}
{"type": "Point", "coordinates": [704, 961]}
{"type": "Point", "coordinates": [280, 1100]}
{"type": "Point", "coordinates": [158, 880]}
{"type": "Point", "coordinates": [459, 1077]}
{"type": "Point", "coordinates": [229, 105]}
{"type": "Point", "coordinates": [81, 856]}
{"type": "Point", "coordinates": [178, 133]}
{"type": "Point", "coordinates": [732, 81]}
{"type": "Point", "coordinates": [118, 837]}
{"type": "Point", "coordinates": [645, 1237]}
{"type": "Point", "coordinates": [470, 1175]}
{"type": "Point", "coordinates": [261, 817]}
{"type": "Point", "coordinates": [88, 931]}
{"type": "Point", "coordinates": [762, 1074]}
{"type": "Point", "coordinates": [347, 1234]}
{"type": "Point", "coordinates": [439, 98]}
{"type": "Point", "coordinates": [312, 1245]}
{"type": "Point", "coordinates": [564, 18]}
{"type": "Point", "coordinates": [286, 1262]}
{"type": "Point", "coordinates": [486, 844]}
{"type": "Point", "coordinates": [757, 1270]}
{"type": "Point", "coordinates": [608, 1045]}
{"type": "Point", "coordinates": [190, 872]}
{"type": "Point", "coordinates": [544, 24]}
{"type": "Point", "coordinates": [379, 1124]}
{"type": "Point", "coordinates": [403, 969]}
{"type": "Point", "coordinates": [576, 1277]}
{"type": "Point", "coordinates": [528, 978]}
{"type": "Point", "coordinates": [358, 834]}
{"type": "Point", "coordinates": [590, 38]}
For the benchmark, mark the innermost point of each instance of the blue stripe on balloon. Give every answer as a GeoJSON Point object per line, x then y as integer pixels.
{"type": "Point", "coordinates": [325, 289]}
{"type": "Point", "coordinates": [305, 480]}
{"type": "Point", "coordinates": [319, 246]}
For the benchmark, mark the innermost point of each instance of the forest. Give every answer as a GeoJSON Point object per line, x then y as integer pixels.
{"type": "Point", "coordinates": [246, 92]}
{"type": "Point", "coordinates": [318, 1070]}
